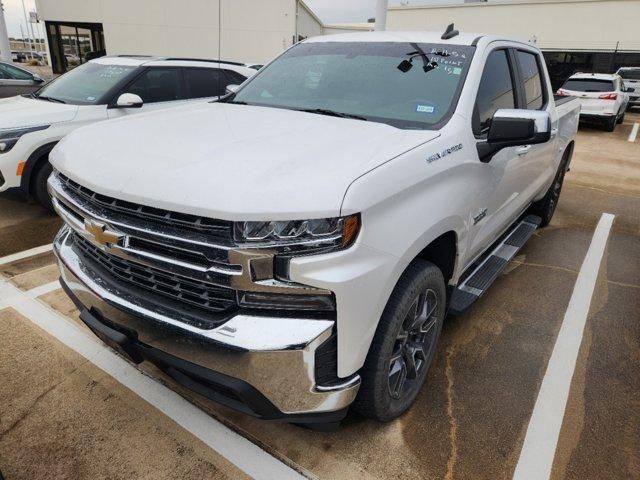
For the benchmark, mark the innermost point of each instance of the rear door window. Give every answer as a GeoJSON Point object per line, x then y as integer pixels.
{"type": "Point", "coordinates": [589, 85]}
{"type": "Point", "coordinates": [496, 90]}
{"type": "Point", "coordinates": [234, 77]}
{"type": "Point", "coordinates": [532, 80]}
{"type": "Point", "coordinates": [205, 82]}
{"type": "Point", "coordinates": [158, 85]}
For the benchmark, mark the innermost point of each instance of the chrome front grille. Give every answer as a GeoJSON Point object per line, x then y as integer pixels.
{"type": "Point", "coordinates": [218, 231]}
{"type": "Point", "coordinates": [190, 262]}
{"type": "Point", "coordinates": [174, 287]}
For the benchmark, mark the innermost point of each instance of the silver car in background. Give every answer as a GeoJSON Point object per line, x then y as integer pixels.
{"type": "Point", "coordinates": [17, 81]}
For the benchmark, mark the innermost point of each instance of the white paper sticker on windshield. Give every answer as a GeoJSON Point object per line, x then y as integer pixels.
{"type": "Point", "coordinates": [425, 108]}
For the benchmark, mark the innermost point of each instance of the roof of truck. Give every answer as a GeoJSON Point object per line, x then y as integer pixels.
{"type": "Point", "coordinates": [463, 38]}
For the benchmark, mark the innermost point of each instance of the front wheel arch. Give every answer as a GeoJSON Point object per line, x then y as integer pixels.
{"type": "Point", "coordinates": [32, 165]}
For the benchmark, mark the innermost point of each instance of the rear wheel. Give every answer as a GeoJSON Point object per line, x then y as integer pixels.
{"type": "Point", "coordinates": [546, 207]}
{"type": "Point", "coordinates": [621, 118]}
{"type": "Point", "coordinates": [39, 185]}
{"type": "Point", "coordinates": [404, 344]}
{"type": "Point", "coordinates": [610, 124]}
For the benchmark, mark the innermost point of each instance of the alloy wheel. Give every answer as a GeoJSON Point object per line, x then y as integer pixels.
{"type": "Point", "coordinates": [414, 343]}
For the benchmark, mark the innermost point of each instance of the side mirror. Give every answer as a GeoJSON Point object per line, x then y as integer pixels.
{"type": "Point", "coordinates": [513, 128]}
{"type": "Point", "coordinates": [232, 88]}
{"type": "Point", "coordinates": [37, 78]}
{"type": "Point", "coordinates": [129, 100]}
{"type": "Point", "coordinates": [629, 90]}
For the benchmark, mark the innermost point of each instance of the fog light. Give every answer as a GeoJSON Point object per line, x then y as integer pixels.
{"type": "Point", "coordinates": [277, 301]}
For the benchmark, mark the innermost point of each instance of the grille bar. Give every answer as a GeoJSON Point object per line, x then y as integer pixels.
{"type": "Point", "coordinates": [174, 287]}
{"type": "Point", "coordinates": [217, 230]}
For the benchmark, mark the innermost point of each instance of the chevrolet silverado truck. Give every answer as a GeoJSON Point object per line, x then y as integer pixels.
{"type": "Point", "coordinates": [294, 249]}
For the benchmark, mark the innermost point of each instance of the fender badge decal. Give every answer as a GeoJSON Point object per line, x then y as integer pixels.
{"type": "Point", "coordinates": [444, 153]}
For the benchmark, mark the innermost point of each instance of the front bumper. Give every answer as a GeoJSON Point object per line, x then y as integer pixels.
{"type": "Point", "coordinates": [262, 366]}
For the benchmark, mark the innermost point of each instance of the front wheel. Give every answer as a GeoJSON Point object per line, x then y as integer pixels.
{"type": "Point", "coordinates": [39, 186]}
{"type": "Point", "coordinates": [404, 344]}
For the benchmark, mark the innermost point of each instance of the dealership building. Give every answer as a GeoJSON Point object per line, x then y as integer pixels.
{"type": "Point", "coordinates": [575, 35]}
{"type": "Point", "coordinates": [252, 31]}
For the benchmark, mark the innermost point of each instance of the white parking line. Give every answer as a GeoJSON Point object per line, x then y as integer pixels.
{"type": "Point", "coordinates": [26, 254]}
{"type": "Point", "coordinates": [538, 451]}
{"type": "Point", "coordinates": [245, 455]}
{"type": "Point", "coordinates": [634, 132]}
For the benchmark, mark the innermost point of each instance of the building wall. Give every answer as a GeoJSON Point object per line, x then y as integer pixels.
{"type": "Point", "coordinates": [308, 24]}
{"type": "Point", "coordinates": [251, 31]}
{"type": "Point", "coordinates": [564, 25]}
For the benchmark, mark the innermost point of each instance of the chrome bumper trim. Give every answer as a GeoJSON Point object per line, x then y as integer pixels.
{"type": "Point", "coordinates": [274, 355]}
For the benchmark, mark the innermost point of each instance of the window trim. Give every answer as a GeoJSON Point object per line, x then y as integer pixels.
{"type": "Point", "coordinates": [475, 117]}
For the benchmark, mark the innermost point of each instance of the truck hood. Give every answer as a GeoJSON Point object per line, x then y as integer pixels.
{"type": "Point", "coordinates": [17, 112]}
{"type": "Point", "coordinates": [232, 162]}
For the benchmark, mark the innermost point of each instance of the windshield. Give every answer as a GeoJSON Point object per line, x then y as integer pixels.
{"type": "Point", "coordinates": [589, 85]}
{"type": "Point", "coordinates": [630, 74]}
{"type": "Point", "coordinates": [85, 85]}
{"type": "Point", "coordinates": [406, 85]}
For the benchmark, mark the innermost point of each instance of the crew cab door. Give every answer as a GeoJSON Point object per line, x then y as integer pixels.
{"type": "Point", "coordinates": [538, 163]}
{"type": "Point", "coordinates": [513, 175]}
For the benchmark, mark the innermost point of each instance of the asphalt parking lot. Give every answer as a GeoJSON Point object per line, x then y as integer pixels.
{"type": "Point", "coordinates": [81, 412]}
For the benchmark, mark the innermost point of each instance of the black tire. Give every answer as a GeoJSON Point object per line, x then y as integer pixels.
{"type": "Point", "coordinates": [546, 207]}
{"type": "Point", "coordinates": [416, 311]}
{"type": "Point", "coordinates": [610, 124]}
{"type": "Point", "coordinates": [39, 185]}
{"type": "Point", "coordinates": [621, 118]}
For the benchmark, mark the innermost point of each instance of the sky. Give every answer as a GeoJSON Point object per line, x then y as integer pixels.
{"type": "Point", "coordinates": [329, 11]}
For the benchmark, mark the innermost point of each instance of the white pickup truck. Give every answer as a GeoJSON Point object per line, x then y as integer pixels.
{"type": "Point", "coordinates": [295, 249]}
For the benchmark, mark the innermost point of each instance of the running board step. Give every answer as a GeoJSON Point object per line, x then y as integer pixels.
{"type": "Point", "coordinates": [474, 286]}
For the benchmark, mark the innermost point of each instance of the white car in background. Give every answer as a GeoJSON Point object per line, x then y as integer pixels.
{"type": "Point", "coordinates": [631, 78]}
{"type": "Point", "coordinates": [102, 89]}
{"type": "Point", "coordinates": [603, 97]}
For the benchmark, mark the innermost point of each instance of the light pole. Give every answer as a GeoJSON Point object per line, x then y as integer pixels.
{"type": "Point", "coordinates": [381, 15]}
{"type": "Point", "coordinates": [5, 48]}
{"type": "Point", "coordinates": [26, 21]}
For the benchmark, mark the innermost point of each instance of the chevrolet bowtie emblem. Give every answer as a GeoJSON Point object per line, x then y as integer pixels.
{"type": "Point", "coordinates": [100, 233]}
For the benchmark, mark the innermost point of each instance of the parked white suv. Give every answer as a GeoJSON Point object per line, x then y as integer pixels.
{"type": "Point", "coordinates": [105, 88]}
{"type": "Point", "coordinates": [631, 78]}
{"type": "Point", "coordinates": [297, 246]}
{"type": "Point", "coordinates": [603, 97]}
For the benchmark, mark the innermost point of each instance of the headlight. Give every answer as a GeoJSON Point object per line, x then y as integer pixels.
{"type": "Point", "coordinates": [324, 233]}
{"type": "Point", "coordinates": [8, 138]}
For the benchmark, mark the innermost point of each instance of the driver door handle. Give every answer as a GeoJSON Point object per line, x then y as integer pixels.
{"type": "Point", "coordinates": [521, 151]}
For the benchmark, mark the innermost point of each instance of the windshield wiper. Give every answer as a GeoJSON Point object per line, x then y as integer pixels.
{"type": "Point", "coordinates": [49, 99]}
{"type": "Point", "coordinates": [332, 113]}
